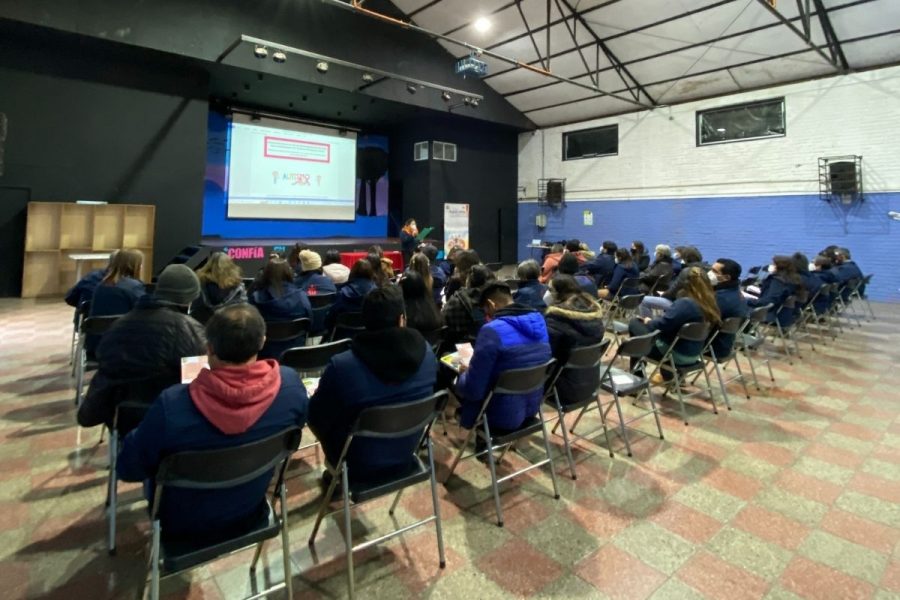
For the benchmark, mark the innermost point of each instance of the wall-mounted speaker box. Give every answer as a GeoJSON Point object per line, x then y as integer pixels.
{"type": "Point", "coordinates": [554, 192]}
{"type": "Point", "coordinates": [843, 177]}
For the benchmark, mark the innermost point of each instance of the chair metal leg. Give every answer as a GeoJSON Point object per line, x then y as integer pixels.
{"type": "Point", "coordinates": [709, 390]}
{"type": "Point", "coordinates": [494, 485]}
{"type": "Point", "coordinates": [80, 360]}
{"type": "Point", "coordinates": [154, 562]}
{"type": "Point", "coordinates": [395, 502]}
{"type": "Point", "coordinates": [324, 507]}
{"type": "Point", "coordinates": [286, 543]}
{"type": "Point", "coordinates": [256, 554]}
{"type": "Point", "coordinates": [566, 442]}
{"type": "Point", "coordinates": [549, 456]}
{"type": "Point", "coordinates": [604, 424]}
{"type": "Point", "coordinates": [622, 428]}
{"type": "Point", "coordinates": [749, 357]}
{"type": "Point", "coordinates": [655, 411]}
{"type": "Point", "coordinates": [741, 376]}
{"type": "Point", "coordinates": [437, 507]}
{"type": "Point", "coordinates": [459, 454]}
{"type": "Point", "coordinates": [680, 397]}
{"type": "Point", "coordinates": [348, 534]}
{"type": "Point", "coordinates": [112, 492]}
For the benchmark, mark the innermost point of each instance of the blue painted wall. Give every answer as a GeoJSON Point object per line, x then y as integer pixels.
{"type": "Point", "coordinates": [215, 203]}
{"type": "Point", "coordinates": [750, 230]}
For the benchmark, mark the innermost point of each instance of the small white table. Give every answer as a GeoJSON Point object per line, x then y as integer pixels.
{"type": "Point", "coordinates": [82, 258]}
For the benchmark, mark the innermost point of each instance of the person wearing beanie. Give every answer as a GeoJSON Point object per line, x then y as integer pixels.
{"type": "Point", "coordinates": [141, 353]}
{"type": "Point", "coordinates": [238, 400]}
{"type": "Point", "coordinates": [310, 278]}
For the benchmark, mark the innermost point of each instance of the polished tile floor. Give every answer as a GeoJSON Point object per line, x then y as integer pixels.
{"type": "Point", "coordinates": [793, 494]}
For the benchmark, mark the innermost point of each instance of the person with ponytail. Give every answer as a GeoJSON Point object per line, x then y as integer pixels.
{"type": "Point", "coordinates": [696, 302]}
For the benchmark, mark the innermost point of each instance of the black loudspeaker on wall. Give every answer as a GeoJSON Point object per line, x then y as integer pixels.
{"type": "Point", "coordinates": [843, 177]}
{"type": "Point", "coordinates": [554, 192]}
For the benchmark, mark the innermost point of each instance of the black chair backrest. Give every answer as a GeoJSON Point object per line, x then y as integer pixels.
{"type": "Point", "coordinates": [630, 283]}
{"type": "Point", "coordinates": [312, 358]}
{"type": "Point", "coordinates": [129, 415]}
{"type": "Point", "coordinates": [350, 320]}
{"type": "Point", "coordinates": [758, 314]}
{"type": "Point", "coordinates": [662, 282]}
{"type": "Point", "coordinates": [694, 332]}
{"type": "Point", "coordinates": [84, 309]}
{"type": "Point", "coordinates": [283, 331]}
{"type": "Point", "coordinates": [322, 300]}
{"type": "Point", "coordinates": [631, 301]}
{"type": "Point", "coordinates": [587, 357]}
{"type": "Point", "coordinates": [227, 467]}
{"type": "Point", "coordinates": [731, 325]}
{"type": "Point", "coordinates": [637, 346]}
{"type": "Point", "coordinates": [525, 380]}
{"type": "Point", "coordinates": [435, 336]}
{"type": "Point", "coordinates": [868, 278]}
{"type": "Point", "coordinates": [98, 325]}
{"type": "Point", "coordinates": [401, 419]}
{"type": "Point", "coordinates": [494, 266]}
{"type": "Point", "coordinates": [202, 313]}
{"type": "Point", "coordinates": [248, 281]}
{"type": "Point", "coordinates": [512, 283]}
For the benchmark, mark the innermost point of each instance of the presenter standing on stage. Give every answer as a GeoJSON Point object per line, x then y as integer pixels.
{"type": "Point", "coordinates": [408, 240]}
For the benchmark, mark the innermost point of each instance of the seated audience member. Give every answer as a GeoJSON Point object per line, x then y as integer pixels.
{"type": "Point", "coordinates": [514, 337]}
{"type": "Point", "coordinates": [811, 283]}
{"type": "Point", "coordinates": [551, 261]}
{"type": "Point", "coordinates": [311, 278]}
{"type": "Point", "coordinates": [725, 276]}
{"type": "Point", "coordinates": [823, 271]}
{"type": "Point", "coordinates": [419, 264]}
{"type": "Point", "coordinates": [421, 311]}
{"type": "Point", "coordinates": [846, 270]}
{"type": "Point", "coordinates": [639, 255]}
{"type": "Point", "coordinates": [438, 275]}
{"type": "Point", "coordinates": [677, 262]}
{"type": "Point", "coordinates": [388, 363]}
{"type": "Point", "coordinates": [118, 291]}
{"type": "Point", "coordinates": [696, 302]}
{"type": "Point", "coordinates": [530, 292]}
{"type": "Point", "coordinates": [662, 267]}
{"type": "Point", "coordinates": [464, 261]}
{"type": "Point", "coordinates": [238, 400]}
{"type": "Point", "coordinates": [278, 299]}
{"type": "Point", "coordinates": [586, 252]}
{"type": "Point", "coordinates": [334, 269]}
{"type": "Point", "coordinates": [602, 267]}
{"type": "Point", "coordinates": [221, 283]}
{"type": "Point", "coordinates": [625, 269]}
{"type": "Point", "coordinates": [293, 256]}
{"type": "Point", "coordinates": [777, 288]}
{"type": "Point", "coordinates": [573, 247]}
{"type": "Point", "coordinates": [350, 297]}
{"type": "Point", "coordinates": [385, 265]}
{"type": "Point", "coordinates": [84, 288]}
{"type": "Point", "coordinates": [689, 257]}
{"type": "Point", "coordinates": [568, 265]}
{"type": "Point", "coordinates": [141, 353]}
{"type": "Point", "coordinates": [575, 319]}
{"type": "Point", "coordinates": [462, 313]}
{"type": "Point", "coordinates": [449, 265]}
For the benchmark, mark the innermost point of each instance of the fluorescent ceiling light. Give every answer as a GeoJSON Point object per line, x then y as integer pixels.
{"type": "Point", "coordinates": [482, 24]}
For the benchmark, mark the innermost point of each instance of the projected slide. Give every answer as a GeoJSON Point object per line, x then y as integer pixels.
{"type": "Point", "coordinates": [284, 170]}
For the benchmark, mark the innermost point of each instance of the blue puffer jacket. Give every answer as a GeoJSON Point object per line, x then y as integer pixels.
{"type": "Point", "coordinates": [439, 279]}
{"type": "Point", "coordinates": [775, 290]}
{"type": "Point", "coordinates": [292, 304]}
{"type": "Point", "coordinates": [731, 304]}
{"type": "Point", "coordinates": [531, 294]}
{"type": "Point", "coordinates": [516, 338]}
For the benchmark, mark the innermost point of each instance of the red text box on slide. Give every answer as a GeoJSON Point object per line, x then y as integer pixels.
{"type": "Point", "coordinates": [278, 147]}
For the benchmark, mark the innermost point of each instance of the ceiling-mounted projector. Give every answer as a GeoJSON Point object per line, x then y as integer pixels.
{"type": "Point", "coordinates": [470, 65]}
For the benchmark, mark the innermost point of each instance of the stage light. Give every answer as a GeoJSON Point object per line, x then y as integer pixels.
{"type": "Point", "coordinates": [368, 77]}
{"type": "Point", "coordinates": [411, 88]}
{"type": "Point", "coordinates": [322, 67]}
{"type": "Point", "coordinates": [482, 24]}
{"type": "Point", "coordinates": [445, 96]}
{"type": "Point", "coordinates": [279, 56]}
{"type": "Point", "coordinates": [467, 100]}
{"type": "Point", "coordinates": [475, 102]}
{"type": "Point", "coordinates": [260, 52]}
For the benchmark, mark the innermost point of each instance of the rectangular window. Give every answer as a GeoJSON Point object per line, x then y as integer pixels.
{"type": "Point", "coordinates": [740, 122]}
{"type": "Point", "coordinates": [444, 151]}
{"type": "Point", "coordinates": [420, 151]}
{"type": "Point", "coordinates": [591, 143]}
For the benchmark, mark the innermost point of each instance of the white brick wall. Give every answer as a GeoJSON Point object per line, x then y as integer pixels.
{"type": "Point", "coordinates": [658, 156]}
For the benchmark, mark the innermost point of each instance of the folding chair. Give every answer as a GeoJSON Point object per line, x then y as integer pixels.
{"type": "Point", "coordinates": [281, 335]}
{"type": "Point", "coordinates": [855, 295]}
{"type": "Point", "coordinates": [346, 326]}
{"type": "Point", "coordinates": [581, 359]}
{"type": "Point", "coordinates": [81, 313]}
{"type": "Point", "coordinates": [691, 332]}
{"type": "Point", "coordinates": [128, 416]}
{"type": "Point", "coordinates": [733, 326]}
{"type": "Point", "coordinates": [435, 338]}
{"type": "Point", "coordinates": [495, 267]}
{"type": "Point", "coordinates": [784, 333]}
{"type": "Point", "coordinates": [619, 382]}
{"type": "Point", "coordinates": [321, 306]}
{"type": "Point", "coordinates": [391, 421]}
{"type": "Point", "coordinates": [662, 283]}
{"type": "Point", "coordinates": [750, 341]}
{"type": "Point", "coordinates": [216, 470]}
{"type": "Point", "coordinates": [89, 326]}
{"type": "Point", "coordinates": [620, 313]}
{"type": "Point", "coordinates": [518, 382]}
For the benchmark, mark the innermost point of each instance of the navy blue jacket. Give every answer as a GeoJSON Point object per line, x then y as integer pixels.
{"type": "Point", "coordinates": [113, 300]}
{"type": "Point", "coordinates": [314, 283]}
{"type": "Point", "coordinates": [214, 297]}
{"type": "Point", "coordinates": [847, 271]}
{"type": "Point", "coordinates": [516, 338]}
{"type": "Point", "coordinates": [683, 310]}
{"type": "Point", "coordinates": [811, 283]}
{"type": "Point", "coordinates": [439, 279]}
{"type": "Point", "coordinates": [620, 274]}
{"type": "Point", "coordinates": [731, 304]}
{"type": "Point", "coordinates": [350, 298]}
{"type": "Point", "coordinates": [601, 268]}
{"type": "Point", "coordinates": [174, 424]}
{"type": "Point", "coordinates": [365, 376]}
{"type": "Point", "coordinates": [823, 303]}
{"type": "Point", "coordinates": [83, 290]}
{"type": "Point", "coordinates": [292, 304]}
{"type": "Point", "coordinates": [775, 290]}
{"type": "Point", "coordinates": [531, 294]}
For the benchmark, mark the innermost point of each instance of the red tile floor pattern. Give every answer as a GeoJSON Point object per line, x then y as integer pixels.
{"type": "Point", "coordinates": [793, 494]}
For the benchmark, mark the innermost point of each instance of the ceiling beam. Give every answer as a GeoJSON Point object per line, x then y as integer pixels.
{"type": "Point", "coordinates": [806, 38]}
{"type": "Point", "coordinates": [833, 42]}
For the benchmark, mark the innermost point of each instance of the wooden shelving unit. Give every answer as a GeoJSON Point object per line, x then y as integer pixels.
{"type": "Point", "coordinates": [57, 229]}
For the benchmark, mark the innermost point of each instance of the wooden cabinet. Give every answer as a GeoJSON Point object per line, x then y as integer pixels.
{"type": "Point", "coordinates": [56, 230]}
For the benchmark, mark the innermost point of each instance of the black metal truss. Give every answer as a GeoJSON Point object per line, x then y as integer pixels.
{"type": "Point", "coordinates": [835, 55]}
{"type": "Point", "coordinates": [715, 70]}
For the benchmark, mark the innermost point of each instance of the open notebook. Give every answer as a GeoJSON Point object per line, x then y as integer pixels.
{"type": "Point", "coordinates": [191, 367]}
{"type": "Point", "coordinates": [461, 357]}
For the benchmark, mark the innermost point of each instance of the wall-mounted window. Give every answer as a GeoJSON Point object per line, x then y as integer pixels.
{"type": "Point", "coordinates": [741, 122]}
{"type": "Point", "coordinates": [420, 151]}
{"type": "Point", "coordinates": [443, 151]}
{"type": "Point", "coordinates": [591, 143]}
